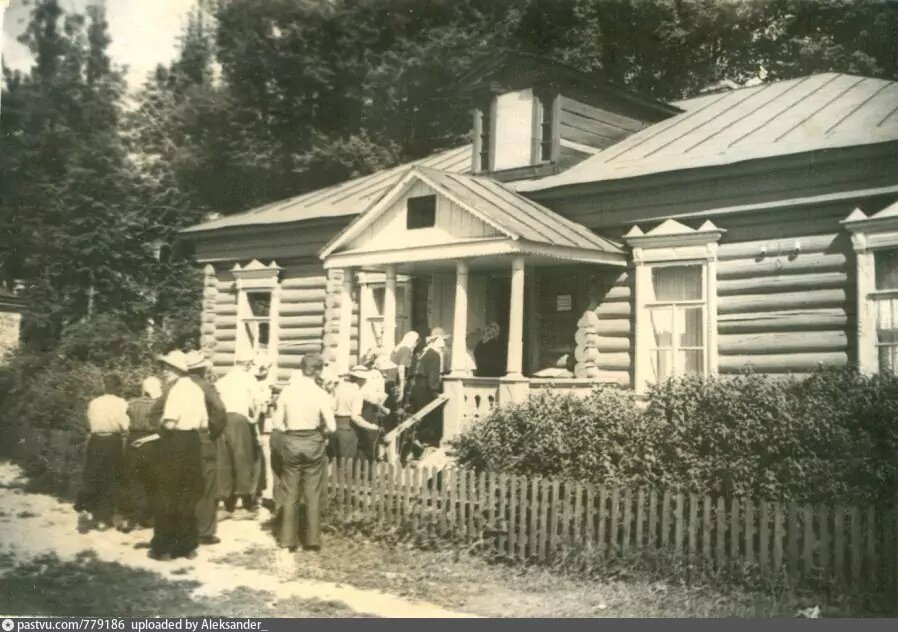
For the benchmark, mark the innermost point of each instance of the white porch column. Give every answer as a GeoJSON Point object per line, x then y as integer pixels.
{"type": "Point", "coordinates": [460, 322]}
{"type": "Point", "coordinates": [344, 342]}
{"type": "Point", "coordinates": [389, 333]}
{"type": "Point", "coordinates": [516, 319]}
{"type": "Point", "coordinates": [514, 387]}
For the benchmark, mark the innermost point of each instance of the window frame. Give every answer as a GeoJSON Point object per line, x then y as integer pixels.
{"type": "Point", "coordinates": [870, 235]}
{"type": "Point", "coordinates": [368, 283]}
{"type": "Point", "coordinates": [672, 244]}
{"type": "Point", "coordinates": [251, 279]}
{"type": "Point", "coordinates": [413, 201]}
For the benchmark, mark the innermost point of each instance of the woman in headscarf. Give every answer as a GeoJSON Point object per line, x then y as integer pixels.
{"type": "Point", "coordinates": [402, 357]}
{"type": "Point", "coordinates": [490, 353]}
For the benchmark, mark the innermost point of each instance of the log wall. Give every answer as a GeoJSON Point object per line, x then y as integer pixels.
{"type": "Point", "coordinates": [307, 315]}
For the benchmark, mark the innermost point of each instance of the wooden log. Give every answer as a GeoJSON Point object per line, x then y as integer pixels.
{"type": "Point", "coordinates": [614, 309]}
{"type": "Point", "coordinates": [774, 342]}
{"type": "Point", "coordinates": [614, 327]}
{"type": "Point", "coordinates": [293, 322]}
{"type": "Point", "coordinates": [833, 318]}
{"type": "Point", "coordinates": [303, 295]}
{"type": "Point", "coordinates": [614, 361]}
{"type": "Point", "coordinates": [782, 363]}
{"type": "Point", "coordinates": [300, 334]}
{"type": "Point", "coordinates": [290, 282]}
{"type": "Point", "coordinates": [751, 303]}
{"type": "Point", "coordinates": [816, 263]}
{"type": "Point", "coordinates": [306, 308]}
{"type": "Point", "coordinates": [606, 345]}
{"type": "Point", "coordinates": [775, 247]}
{"type": "Point", "coordinates": [781, 283]}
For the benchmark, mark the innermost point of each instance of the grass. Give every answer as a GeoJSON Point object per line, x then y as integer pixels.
{"type": "Point", "coordinates": [469, 583]}
{"type": "Point", "coordinates": [47, 586]}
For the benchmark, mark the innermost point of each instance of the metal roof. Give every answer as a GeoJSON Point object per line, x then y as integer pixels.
{"type": "Point", "coordinates": [785, 117]}
{"type": "Point", "coordinates": [346, 198]}
{"type": "Point", "coordinates": [513, 215]}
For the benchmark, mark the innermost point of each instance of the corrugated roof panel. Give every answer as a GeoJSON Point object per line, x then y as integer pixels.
{"type": "Point", "coordinates": [787, 117]}
{"type": "Point", "coordinates": [347, 198]}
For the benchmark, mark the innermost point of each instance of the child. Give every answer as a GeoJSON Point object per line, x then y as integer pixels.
{"type": "Point", "coordinates": [107, 417]}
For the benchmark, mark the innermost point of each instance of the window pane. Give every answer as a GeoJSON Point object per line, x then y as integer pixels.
{"type": "Point", "coordinates": [690, 326]}
{"type": "Point", "coordinates": [257, 332]}
{"type": "Point", "coordinates": [378, 294]}
{"type": "Point", "coordinates": [888, 358]}
{"type": "Point", "coordinates": [887, 320]}
{"type": "Point", "coordinates": [259, 304]}
{"type": "Point", "coordinates": [677, 283]}
{"type": "Point", "coordinates": [662, 326]}
{"type": "Point", "coordinates": [692, 361]}
{"type": "Point", "coordinates": [662, 364]}
{"type": "Point", "coordinates": [886, 269]}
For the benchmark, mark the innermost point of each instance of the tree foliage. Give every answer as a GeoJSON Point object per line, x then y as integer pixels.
{"type": "Point", "coordinates": [270, 99]}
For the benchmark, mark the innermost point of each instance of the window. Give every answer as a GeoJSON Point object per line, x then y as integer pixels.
{"type": "Point", "coordinates": [256, 322]}
{"type": "Point", "coordinates": [257, 309]}
{"type": "Point", "coordinates": [875, 241]}
{"type": "Point", "coordinates": [486, 117]}
{"type": "Point", "coordinates": [676, 308]}
{"type": "Point", "coordinates": [372, 311]}
{"type": "Point", "coordinates": [885, 301]}
{"type": "Point", "coordinates": [421, 212]}
{"type": "Point", "coordinates": [547, 130]}
{"type": "Point", "coordinates": [675, 304]}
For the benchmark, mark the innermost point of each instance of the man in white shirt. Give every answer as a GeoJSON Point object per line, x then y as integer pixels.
{"type": "Point", "coordinates": [242, 397]}
{"type": "Point", "coordinates": [107, 418]}
{"type": "Point", "coordinates": [304, 413]}
{"type": "Point", "coordinates": [180, 474]}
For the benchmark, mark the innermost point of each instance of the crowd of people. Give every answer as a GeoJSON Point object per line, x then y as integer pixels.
{"type": "Point", "coordinates": [188, 451]}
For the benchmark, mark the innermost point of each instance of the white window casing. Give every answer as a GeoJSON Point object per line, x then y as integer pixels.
{"type": "Point", "coordinates": [673, 252]}
{"type": "Point", "coordinates": [372, 293]}
{"type": "Point", "coordinates": [874, 237]}
{"type": "Point", "coordinates": [255, 281]}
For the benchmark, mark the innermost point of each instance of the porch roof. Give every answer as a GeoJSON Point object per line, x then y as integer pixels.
{"type": "Point", "coordinates": [523, 226]}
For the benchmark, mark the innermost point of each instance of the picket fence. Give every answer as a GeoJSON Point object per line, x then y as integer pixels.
{"type": "Point", "coordinates": [534, 519]}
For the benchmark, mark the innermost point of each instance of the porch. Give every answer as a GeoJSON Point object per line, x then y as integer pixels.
{"type": "Point", "coordinates": [463, 230]}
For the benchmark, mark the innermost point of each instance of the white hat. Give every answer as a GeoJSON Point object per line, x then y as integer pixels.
{"type": "Point", "coordinates": [195, 359]}
{"type": "Point", "coordinates": [360, 371]}
{"type": "Point", "coordinates": [176, 359]}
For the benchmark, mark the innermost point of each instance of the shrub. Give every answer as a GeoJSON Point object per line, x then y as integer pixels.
{"type": "Point", "coordinates": [555, 434]}
{"type": "Point", "coordinates": [830, 437]}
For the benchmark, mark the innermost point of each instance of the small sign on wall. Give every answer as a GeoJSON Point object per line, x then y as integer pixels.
{"type": "Point", "coordinates": [563, 303]}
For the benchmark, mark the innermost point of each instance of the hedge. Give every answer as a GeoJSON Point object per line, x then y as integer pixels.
{"type": "Point", "coordinates": [830, 437]}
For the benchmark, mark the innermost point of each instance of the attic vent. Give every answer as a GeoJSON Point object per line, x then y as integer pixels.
{"type": "Point", "coordinates": [421, 212]}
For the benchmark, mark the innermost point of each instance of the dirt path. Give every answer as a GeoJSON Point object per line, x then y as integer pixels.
{"type": "Point", "coordinates": [37, 534]}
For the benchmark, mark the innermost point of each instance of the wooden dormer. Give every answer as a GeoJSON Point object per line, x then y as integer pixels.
{"type": "Point", "coordinates": [533, 116]}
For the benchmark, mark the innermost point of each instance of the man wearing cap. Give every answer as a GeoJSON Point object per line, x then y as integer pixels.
{"type": "Point", "coordinates": [179, 474]}
{"type": "Point", "coordinates": [304, 413]}
{"type": "Point", "coordinates": [139, 480]}
{"type": "Point", "coordinates": [242, 397]}
{"type": "Point", "coordinates": [426, 386]}
{"type": "Point", "coordinates": [207, 506]}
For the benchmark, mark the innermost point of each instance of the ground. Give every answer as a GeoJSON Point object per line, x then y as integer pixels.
{"type": "Point", "coordinates": [48, 568]}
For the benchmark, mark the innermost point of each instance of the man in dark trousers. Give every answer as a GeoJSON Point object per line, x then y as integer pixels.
{"type": "Point", "coordinates": [207, 506]}
{"type": "Point", "coordinates": [138, 481]}
{"type": "Point", "coordinates": [304, 411]}
{"type": "Point", "coordinates": [426, 387]}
